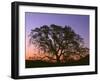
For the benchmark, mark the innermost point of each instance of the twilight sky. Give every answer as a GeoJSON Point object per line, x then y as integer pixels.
{"type": "Point", "coordinates": [79, 23]}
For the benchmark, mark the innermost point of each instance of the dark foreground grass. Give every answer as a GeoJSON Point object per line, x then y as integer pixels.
{"type": "Point", "coordinates": [39, 63]}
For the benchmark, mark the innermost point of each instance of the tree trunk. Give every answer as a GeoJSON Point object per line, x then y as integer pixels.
{"type": "Point", "coordinates": [58, 59]}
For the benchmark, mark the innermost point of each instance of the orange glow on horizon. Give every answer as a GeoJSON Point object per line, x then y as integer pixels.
{"type": "Point", "coordinates": [33, 53]}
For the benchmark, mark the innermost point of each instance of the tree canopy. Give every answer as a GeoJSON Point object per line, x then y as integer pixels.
{"type": "Point", "coordinates": [56, 40]}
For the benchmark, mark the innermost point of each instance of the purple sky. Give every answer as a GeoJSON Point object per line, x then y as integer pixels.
{"type": "Point", "coordinates": [79, 23]}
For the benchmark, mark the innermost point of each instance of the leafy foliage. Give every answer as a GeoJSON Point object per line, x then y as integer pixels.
{"type": "Point", "coordinates": [57, 40]}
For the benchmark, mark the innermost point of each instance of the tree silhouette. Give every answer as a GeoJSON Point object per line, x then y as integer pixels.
{"type": "Point", "coordinates": [56, 40]}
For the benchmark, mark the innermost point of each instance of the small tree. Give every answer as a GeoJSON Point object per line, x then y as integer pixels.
{"type": "Point", "coordinates": [56, 40]}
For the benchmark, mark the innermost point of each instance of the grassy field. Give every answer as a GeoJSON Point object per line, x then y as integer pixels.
{"type": "Point", "coordinates": [39, 63]}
